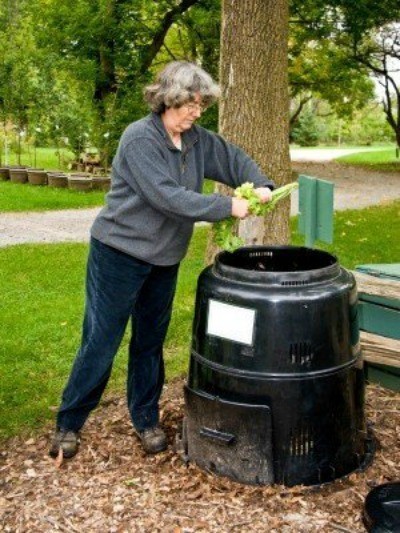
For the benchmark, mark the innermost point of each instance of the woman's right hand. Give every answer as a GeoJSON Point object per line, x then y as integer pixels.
{"type": "Point", "coordinates": [240, 207]}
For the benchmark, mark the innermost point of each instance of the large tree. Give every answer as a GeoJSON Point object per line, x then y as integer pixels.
{"type": "Point", "coordinates": [112, 44]}
{"type": "Point", "coordinates": [254, 109]}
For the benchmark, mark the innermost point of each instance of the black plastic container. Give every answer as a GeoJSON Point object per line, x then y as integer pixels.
{"type": "Point", "coordinates": [275, 391]}
{"type": "Point", "coordinates": [382, 509]}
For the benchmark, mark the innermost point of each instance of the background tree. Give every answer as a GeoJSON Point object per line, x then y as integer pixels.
{"type": "Point", "coordinates": [380, 53]}
{"type": "Point", "coordinates": [195, 36]}
{"type": "Point", "coordinates": [366, 35]}
{"type": "Point", "coordinates": [370, 34]}
{"type": "Point", "coordinates": [305, 131]}
{"type": "Point", "coordinates": [363, 127]}
{"type": "Point", "coordinates": [254, 108]}
{"type": "Point", "coordinates": [319, 69]}
{"type": "Point", "coordinates": [21, 84]}
{"type": "Point", "coordinates": [111, 43]}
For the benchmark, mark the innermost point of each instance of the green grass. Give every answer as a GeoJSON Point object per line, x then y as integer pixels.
{"type": "Point", "coordinates": [46, 158]}
{"type": "Point", "coordinates": [42, 288]}
{"type": "Point", "coordinates": [384, 160]}
{"type": "Point", "coordinates": [361, 236]}
{"type": "Point", "coordinates": [26, 197]}
{"type": "Point", "coordinates": [42, 302]}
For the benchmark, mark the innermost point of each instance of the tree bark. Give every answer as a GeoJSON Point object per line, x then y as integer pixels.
{"type": "Point", "coordinates": [254, 108]}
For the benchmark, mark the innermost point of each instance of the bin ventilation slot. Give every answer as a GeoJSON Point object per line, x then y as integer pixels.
{"type": "Point", "coordinates": [301, 353]}
{"type": "Point", "coordinates": [261, 254]}
{"type": "Point", "coordinates": [301, 442]}
{"type": "Point", "coordinates": [294, 283]}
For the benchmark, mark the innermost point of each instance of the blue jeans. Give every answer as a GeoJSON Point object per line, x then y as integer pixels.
{"type": "Point", "coordinates": [119, 287]}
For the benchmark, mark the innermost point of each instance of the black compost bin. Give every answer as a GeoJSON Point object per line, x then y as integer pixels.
{"type": "Point", "coordinates": [275, 392]}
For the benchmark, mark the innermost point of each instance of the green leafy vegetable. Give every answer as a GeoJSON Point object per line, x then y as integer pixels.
{"type": "Point", "coordinates": [223, 231]}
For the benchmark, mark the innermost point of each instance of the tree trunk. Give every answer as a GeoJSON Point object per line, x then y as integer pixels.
{"type": "Point", "coordinates": [254, 108]}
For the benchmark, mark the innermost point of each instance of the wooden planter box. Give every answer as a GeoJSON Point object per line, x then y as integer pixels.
{"type": "Point", "coordinates": [102, 183]}
{"type": "Point", "coordinates": [58, 180]}
{"type": "Point", "coordinates": [82, 183]}
{"type": "Point", "coordinates": [18, 175]}
{"type": "Point", "coordinates": [4, 173]}
{"type": "Point", "coordinates": [37, 177]}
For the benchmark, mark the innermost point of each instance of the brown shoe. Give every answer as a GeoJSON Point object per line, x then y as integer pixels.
{"type": "Point", "coordinates": [153, 439]}
{"type": "Point", "coordinates": [67, 440]}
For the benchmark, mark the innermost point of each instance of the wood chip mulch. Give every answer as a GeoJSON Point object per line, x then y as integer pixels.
{"type": "Point", "coordinates": [112, 486]}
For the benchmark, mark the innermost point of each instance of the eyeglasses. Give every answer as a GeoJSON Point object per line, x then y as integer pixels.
{"type": "Point", "coordinates": [193, 106]}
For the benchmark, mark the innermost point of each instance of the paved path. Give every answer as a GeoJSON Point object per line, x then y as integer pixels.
{"type": "Point", "coordinates": [355, 187]}
{"type": "Point", "coordinates": [324, 154]}
{"type": "Point", "coordinates": [45, 227]}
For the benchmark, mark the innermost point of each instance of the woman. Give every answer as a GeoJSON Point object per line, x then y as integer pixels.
{"type": "Point", "coordinates": [138, 240]}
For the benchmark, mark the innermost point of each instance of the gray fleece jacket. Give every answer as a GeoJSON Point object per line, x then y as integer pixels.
{"type": "Point", "coordinates": [155, 195]}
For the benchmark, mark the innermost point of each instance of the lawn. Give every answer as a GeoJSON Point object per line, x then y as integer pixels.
{"type": "Point", "coordinates": [26, 197]}
{"type": "Point", "coordinates": [42, 288]}
{"type": "Point", "coordinates": [384, 160]}
{"type": "Point", "coordinates": [42, 302]}
{"type": "Point", "coordinates": [361, 236]}
{"type": "Point", "coordinates": [46, 158]}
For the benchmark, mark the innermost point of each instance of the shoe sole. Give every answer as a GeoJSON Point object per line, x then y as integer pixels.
{"type": "Point", "coordinates": [153, 451]}
{"type": "Point", "coordinates": [66, 455]}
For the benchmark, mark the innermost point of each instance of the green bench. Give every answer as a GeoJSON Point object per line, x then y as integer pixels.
{"type": "Point", "coordinates": [379, 319]}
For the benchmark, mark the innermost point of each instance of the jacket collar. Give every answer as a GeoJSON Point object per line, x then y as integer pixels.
{"type": "Point", "coordinates": [189, 137]}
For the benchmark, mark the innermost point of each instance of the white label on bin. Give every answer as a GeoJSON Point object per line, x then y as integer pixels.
{"type": "Point", "coordinates": [231, 322]}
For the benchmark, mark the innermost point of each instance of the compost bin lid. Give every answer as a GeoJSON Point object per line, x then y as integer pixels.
{"type": "Point", "coordinates": [382, 508]}
{"type": "Point", "coordinates": [382, 270]}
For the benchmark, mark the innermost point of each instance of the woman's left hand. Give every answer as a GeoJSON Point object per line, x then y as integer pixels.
{"type": "Point", "coordinates": [264, 193]}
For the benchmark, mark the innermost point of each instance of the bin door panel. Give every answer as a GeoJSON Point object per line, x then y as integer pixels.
{"type": "Point", "coordinates": [228, 438]}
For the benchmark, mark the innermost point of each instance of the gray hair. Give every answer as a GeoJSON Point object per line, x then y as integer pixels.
{"type": "Point", "coordinates": [179, 83]}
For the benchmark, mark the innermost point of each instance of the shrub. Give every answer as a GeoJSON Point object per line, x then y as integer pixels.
{"type": "Point", "coordinates": [305, 132]}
